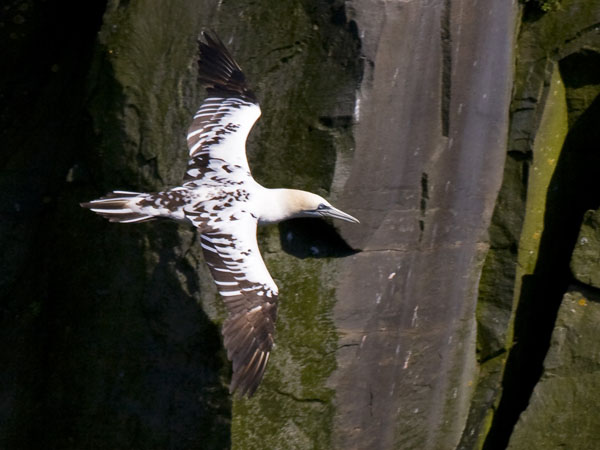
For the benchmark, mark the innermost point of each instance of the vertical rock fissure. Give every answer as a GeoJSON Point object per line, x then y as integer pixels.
{"type": "Point", "coordinates": [423, 203]}
{"type": "Point", "coordinates": [446, 71]}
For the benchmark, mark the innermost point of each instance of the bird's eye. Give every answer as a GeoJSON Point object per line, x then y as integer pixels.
{"type": "Point", "coordinates": [322, 206]}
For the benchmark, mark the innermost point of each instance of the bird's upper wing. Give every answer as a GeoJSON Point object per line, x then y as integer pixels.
{"type": "Point", "coordinates": [217, 135]}
{"type": "Point", "coordinates": [250, 295]}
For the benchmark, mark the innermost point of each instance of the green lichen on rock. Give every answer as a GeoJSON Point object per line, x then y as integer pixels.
{"type": "Point", "coordinates": [547, 145]}
{"type": "Point", "coordinates": [585, 262]}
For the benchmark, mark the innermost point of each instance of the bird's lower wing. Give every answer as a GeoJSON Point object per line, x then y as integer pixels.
{"type": "Point", "coordinates": [250, 295]}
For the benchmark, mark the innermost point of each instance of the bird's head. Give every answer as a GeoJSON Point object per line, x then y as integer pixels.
{"type": "Point", "coordinates": [308, 204]}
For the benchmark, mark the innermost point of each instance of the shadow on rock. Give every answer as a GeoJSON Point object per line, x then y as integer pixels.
{"type": "Point", "coordinates": [313, 238]}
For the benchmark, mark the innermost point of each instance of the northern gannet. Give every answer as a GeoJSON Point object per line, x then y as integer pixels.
{"type": "Point", "coordinates": [220, 198]}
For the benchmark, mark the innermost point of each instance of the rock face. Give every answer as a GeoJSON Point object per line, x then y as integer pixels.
{"type": "Point", "coordinates": [449, 318]}
{"type": "Point", "coordinates": [430, 146]}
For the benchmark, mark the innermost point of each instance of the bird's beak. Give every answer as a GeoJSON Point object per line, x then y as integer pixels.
{"type": "Point", "coordinates": [337, 214]}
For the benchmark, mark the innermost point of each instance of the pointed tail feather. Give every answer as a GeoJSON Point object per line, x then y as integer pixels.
{"type": "Point", "coordinates": [117, 207]}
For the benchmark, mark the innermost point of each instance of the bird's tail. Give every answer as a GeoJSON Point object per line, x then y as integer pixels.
{"type": "Point", "coordinates": [119, 206]}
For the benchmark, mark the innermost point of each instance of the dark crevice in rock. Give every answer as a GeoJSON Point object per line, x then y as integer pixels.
{"type": "Point", "coordinates": [593, 28]}
{"type": "Point", "coordinates": [592, 293]}
{"type": "Point", "coordinates": [446, 42]}
{"type": "Point", "coordinates": [518, 155]}
{"type": "Point", "coordinates": [298, 399]}
{"type": "Point", "coordinates": [343, 346]}
{"type": "Point", "coordinates": [343, 122]}
{"type": "Point", "coordinates": [492, 356]}
{"type": "Point", "coordinates": [423, 203]}
{"type": "Point", "coordinates": [572, 73]}
{"type": "Point", "coordinates": [421, 229]}
{"type": "Point", "coordinates": [424, 193]}
{"type": "Point", "coordinates": [572, 191]}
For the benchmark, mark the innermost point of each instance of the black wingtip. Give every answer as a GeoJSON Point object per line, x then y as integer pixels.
{"type": "Point", "coordinates": [219, 71]}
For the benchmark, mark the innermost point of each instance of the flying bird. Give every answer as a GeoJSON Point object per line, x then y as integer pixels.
{"type": "Point", "coordinates": [222, 200]}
